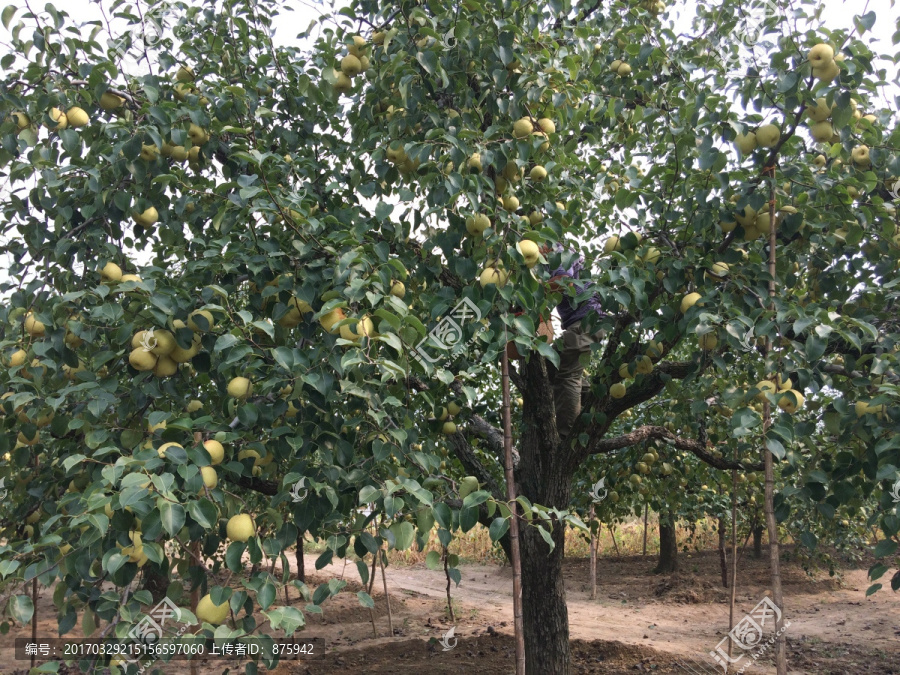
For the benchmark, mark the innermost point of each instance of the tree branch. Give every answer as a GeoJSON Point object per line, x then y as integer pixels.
{"type": "Point", "coordinates": [471, 463]}
{"type": "Point", "coordinates": [649, 432]}
{"type": "Point", "coordinates": [481, 428]}
{"type": "Point", "coordinates": [265, 487]}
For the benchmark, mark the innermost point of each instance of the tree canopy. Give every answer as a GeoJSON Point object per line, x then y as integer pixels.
{"type": "Point", "coordinates": [246, 244]}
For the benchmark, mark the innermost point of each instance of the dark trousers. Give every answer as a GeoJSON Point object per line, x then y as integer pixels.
{"type": "Point", "coordinates": [569, 379]}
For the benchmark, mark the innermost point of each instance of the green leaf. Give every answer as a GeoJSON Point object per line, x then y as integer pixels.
{"type": "Point", "coordinates": [865, 22]}
{"type": "Point", "coordinates": [234, 554]}
{"type": "Point", "coordinates": [547, 537]}
{"type": "Point", "coordinates": [266, 595]}
{"type": "Point", "coordinates": [404, 533]}
{"type": "Point", "coordinates": [365, 599]}
{"type": "Point", "coordinates": [171, 515]}
{"type": "Point", "coordinates": [288, 619]}
{"type": "Point", "coordinates": [498, 528]}
{"type": "Point", "coordinates": [21, 608]}
{"type": "Point", "coordinates": [468, 517]}
{"type": "Point", "coordinates": [7, 15]}
{"type": "Point", "coordinates": [775, 447]}
{"type": "Point", "coordinates": [368, 494]}
{"type": "Point", "coordinates": [885, 548]}
{"type": "Point", "coordinates": [284, 357]}
{"type": "Point", "coordinates": [363, 571]}
{"type": "Point", "coordinates": [428, 59]}
{"type": "Point", "coordinates": [203, 512]}
{"type": "Point", "coordinates": [383, 210]}
{"type": "Point", "coordinates": [809, 540]}
{"type": "Point", "coordinates": [476, 498]}
{"type": "Point", "coordinates": [433, 560]}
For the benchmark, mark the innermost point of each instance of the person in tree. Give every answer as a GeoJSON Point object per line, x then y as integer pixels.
{"type": "Point", "coordinates": [579, 303]}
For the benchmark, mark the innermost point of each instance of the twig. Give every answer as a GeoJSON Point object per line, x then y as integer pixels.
{"type": "Point", "coordinates": [449, 599]}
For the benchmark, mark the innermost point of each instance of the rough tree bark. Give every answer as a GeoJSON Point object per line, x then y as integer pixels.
{"type": "Point", "coordinates": [757, 542]}
{"type": "Point", "coordinates": [156, 581]}
{"type": "Point", "coordinates": [668, 545]}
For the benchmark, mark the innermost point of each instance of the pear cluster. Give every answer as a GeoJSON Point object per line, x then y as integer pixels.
{"type": "Point", "coordinates": [356, 61]}
{"type": "Point", "coordinates": [158, 351]}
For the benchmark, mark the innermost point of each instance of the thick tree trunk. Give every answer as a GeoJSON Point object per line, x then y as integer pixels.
{"type": "Point", "coordinates": [155, 581]}
{"type": "Point", "coordinates": [757, 542]}
{"type": "Point", "coordinates": [668, 545]}
{"type": "Point", "coordinates": [544, 604]}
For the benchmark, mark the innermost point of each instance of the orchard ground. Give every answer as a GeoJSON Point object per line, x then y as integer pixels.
{"type": "Point", "coordinates": [639, 621]}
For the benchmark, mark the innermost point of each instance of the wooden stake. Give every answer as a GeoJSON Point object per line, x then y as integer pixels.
{"type": "Point", "coordinates": [195, 593]}
{"type": "Point", "coordinates": [612, 533]}
{"type": "Point", "coordinates": [645, 529]}
{"type": "Point", "coordinates": [731, 597]}
{"type": "Point", "coordinates": [387, 598]}
{"type": "Point", "coordinates": [34, 616]}
{"type": "Point", "coordinates": [371, 585]}
{"type": "Point", "coordinates": [772, 524]}
{"type": "Point", "coordinates": [593, 556]}
{"type": "Point", "coordinates": [518, 620]}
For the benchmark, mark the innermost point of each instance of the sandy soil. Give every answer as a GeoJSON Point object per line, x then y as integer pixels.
{"type": "Point", "coordinates": [638, 622]}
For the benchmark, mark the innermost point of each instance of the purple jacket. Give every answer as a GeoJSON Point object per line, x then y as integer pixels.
{"type": "Point", "coordinates": [572, 312]}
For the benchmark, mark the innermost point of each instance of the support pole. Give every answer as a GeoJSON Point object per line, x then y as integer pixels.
{"type": "Point", "coordinates": [771, 523]}
{"type": "Point", "coordinates": [516, 561]}
{"type": "Point", "coordinates": [593, 555]}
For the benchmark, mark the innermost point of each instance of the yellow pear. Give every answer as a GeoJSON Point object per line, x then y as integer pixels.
{"type": "Point", "coordinates": [239, 387]}
{"type": "Point", "coordinates": [59, 117]}
{"type": "Point", "coordinates": [398, 289]}
{"type": "Point", "coordinates": [689, 301]}
{"type": "Point", "coordinates": [146, 219]}
{"type": "Point", "coordinates": [216, 451]}
{"type": "Point", "coordinates": [351, 65]}
{"type": "Point", "coordinates": [76, 117]}
{"type": "Point", "coordinates": [330, 320]}
{"type": "Point", "coordinates": [210, 477]}
{"type": "Point", "coordinates": [201, 326]}
{"type": "Point", "coordinates": [33, 327]}
{"type": "Point", "coordinates": [493, 275]}
{"type": "Point", "coordinates": [161, 451]}
{"type": "Point", "coordinates": [240, 527]}
{"type": "Point", "coordinates": [110, 102]}
{"type": "Point", "coordinates": [142, 360]}
{"type": "Point", "coordinates": [111, 272]}
{"type": "Point", "coordinates": [210, 612]}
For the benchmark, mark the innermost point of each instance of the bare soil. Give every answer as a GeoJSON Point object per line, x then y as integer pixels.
{"type": "Point", "coordinates": [639, 622]}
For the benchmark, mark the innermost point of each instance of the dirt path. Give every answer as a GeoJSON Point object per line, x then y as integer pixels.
{"type": "Point", "coordinates": [684, 616]}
